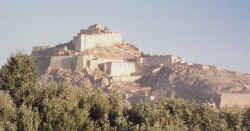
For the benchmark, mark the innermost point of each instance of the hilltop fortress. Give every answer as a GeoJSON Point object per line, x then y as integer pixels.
{"type": "Point", "coordinates": [79, 54]}
{"type": "Point", "coordinates": [97, 48]}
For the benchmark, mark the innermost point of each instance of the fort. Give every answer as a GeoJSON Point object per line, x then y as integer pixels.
{"type": "Point", "coordinates": [70, 56]}
{"type": "Point", "coordinates": [98, 48]}
{"type": "Point", "coordinates": [75, 56]}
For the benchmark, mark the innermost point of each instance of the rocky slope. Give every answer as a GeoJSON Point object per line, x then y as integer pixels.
{"type": "Point", "coordinates": [196, 81]}
{"type": "Point", "coordinates": [204, 83]}
{"type": "Point", "coordinates": [119, 51]}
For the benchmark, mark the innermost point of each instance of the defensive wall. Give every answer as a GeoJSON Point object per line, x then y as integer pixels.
{"type": "Point", "coordinates": [113, 67]}
{"type": "Point", "coordinates": [234, 99]}
{"type": "Point", "coordinates": [42, 63]}
{"type": "Point", "coordinates": [46, 63]}
{"type": "Point", "coordinates": [65, 62]}
{"type": "Point", "coordinates": [76, 42]}
{"type": "Point", "coordinates": [40, 48]}
{"type": "Point", "coordinates": [82, 42]}
{"type": "Point", "coordinates": [37, 50]}
{"type": "Point", "coordinates": [48, 50]}
{"type": "Point", "coordinates": [153, 60]}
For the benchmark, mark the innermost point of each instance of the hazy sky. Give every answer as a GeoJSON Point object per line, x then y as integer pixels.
{"type": "Point", "coordinates": [212, 32]}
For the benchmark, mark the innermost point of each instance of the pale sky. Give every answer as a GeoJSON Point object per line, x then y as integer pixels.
{"type": "Point", "coordinates": [214, 32]}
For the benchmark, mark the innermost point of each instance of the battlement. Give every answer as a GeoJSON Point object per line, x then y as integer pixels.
{"type": "Point", "coordinates": [96, 35]}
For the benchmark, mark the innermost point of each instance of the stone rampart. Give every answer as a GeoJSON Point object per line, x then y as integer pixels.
{"type": "Point", "coordinates": [40, 48]}
{"type": "Point", "coordinates": [79, 63]}
{"type": "Point", "coordinates": [76, 42]}
{"type": "Point", "coordinates": [104, 39]}
{"type": "Point", "coordinates": [37, 50]}
{"type": "Point", "coordinates": [65, 62]}
{"type": "Point", "coordinates": [42, 63]}
{"type": "Point", "coordinates": [153, 60]}
{"type": "Point", "coordinates": [234, 99]}
{"type": "Point", "coordinates": [82, 42]}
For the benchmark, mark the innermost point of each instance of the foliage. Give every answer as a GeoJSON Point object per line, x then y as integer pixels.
{"type": "Point", "coordinates": [8, 113]}
{"type": "Point", "coordinates": [18, 76]}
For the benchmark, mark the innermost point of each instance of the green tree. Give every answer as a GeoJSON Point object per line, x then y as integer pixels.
{"type": "Point", "coordinates": [234, 120]}
{"type": "Point", "coordinates": [246, 120]}
{"type": "Point", "coordinates": [8, 114]}
{"type": "Point", "coordinates": [29, 119]}
{"type": "Point", "coordinates": [18, 76]}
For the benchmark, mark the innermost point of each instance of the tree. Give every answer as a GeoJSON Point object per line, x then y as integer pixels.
{"type": "Point", "coordinates": [28, 118]}
{"type": "Point", "coordinates": [18, 76]}
{"type": "Point", "coordinates": [8, 114]}
{"type": "Point", "coordinates": [246, 120]}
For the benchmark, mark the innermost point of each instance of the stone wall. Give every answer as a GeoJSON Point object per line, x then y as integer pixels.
{"type": "Point", "coordinates": [36, 50]}
{"type": "Point", "coordinates": [88, 41]}
{"type": "Point", "coordinates": [40, 48]}
{"type": "Point", "coordinates": [65, 62]}
{"type": "Point", "coordinates": [76, 42]}
{"type": "Point", "coordinates": [79, 63]}
{"type": "Point", "coordinates": [105, 39]}
{"type": "Point", "coordinates": [168, 60]}
{"type": "Point", "coordinates": [234, 99]}
{"type": "Point", "coordinates": [42, 63]}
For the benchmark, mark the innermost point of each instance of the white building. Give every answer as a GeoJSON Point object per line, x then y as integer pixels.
{"type": "Point", "coordinates": [95, 36]}
{"type": "Point", "coordinates": [118, 68]}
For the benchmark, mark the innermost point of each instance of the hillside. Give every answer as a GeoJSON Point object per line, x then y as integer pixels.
{"type": "Point", "coordinates": [99, 58]}
{"type": "Point", "coordinates": [200, 82]}
{"type": "Point", "coordinates": [182, 80]}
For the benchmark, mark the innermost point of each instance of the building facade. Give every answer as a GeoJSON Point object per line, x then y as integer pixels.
{"type": "Point", "coordinates": [95, 36]}
{"type": "Point", "coordinates": [118, 68]}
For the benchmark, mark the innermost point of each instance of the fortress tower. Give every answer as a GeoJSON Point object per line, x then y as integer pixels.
{"type": "Point", "coordinates": [96, 35]}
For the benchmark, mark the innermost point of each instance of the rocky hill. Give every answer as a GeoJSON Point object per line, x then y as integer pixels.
{"type": "Point", "coordinates": [196, 81]}
{"type": "Point", "coordinates": [204, 83]}
{"type": "Point", "coordinates": [123, 68]}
